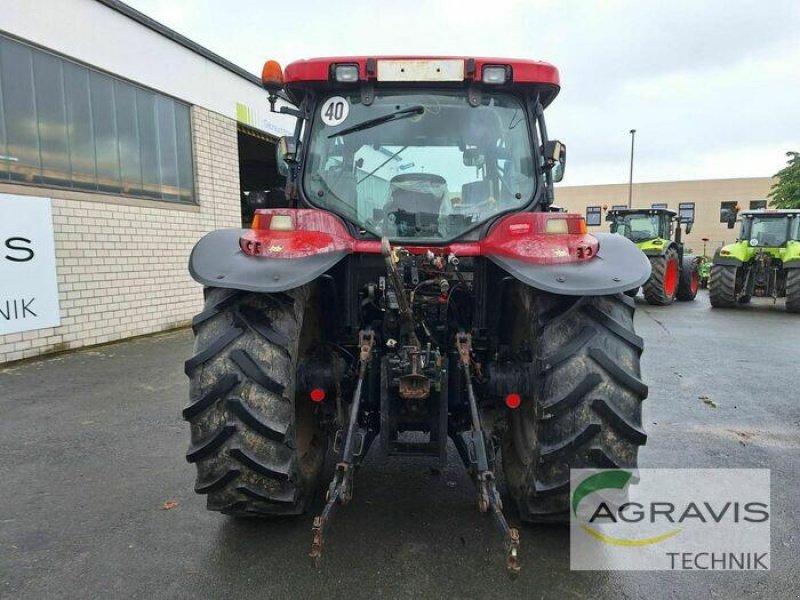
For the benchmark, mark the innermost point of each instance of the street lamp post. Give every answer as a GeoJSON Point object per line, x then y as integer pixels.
{"type": "Point", "coordinates": [630, 179]}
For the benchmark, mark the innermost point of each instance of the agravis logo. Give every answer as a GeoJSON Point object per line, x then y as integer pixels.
{"type": "Point", "coordinates": [717, 519]}
{"type": "Point", "coordinates": [612, 479]}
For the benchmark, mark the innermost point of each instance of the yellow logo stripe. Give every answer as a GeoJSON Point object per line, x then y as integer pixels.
{"type": "Point", "coordinates": [623, 542]}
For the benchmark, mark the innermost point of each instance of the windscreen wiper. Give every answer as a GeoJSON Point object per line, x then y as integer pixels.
{"type": "Point", "coordinates": [398, 114]}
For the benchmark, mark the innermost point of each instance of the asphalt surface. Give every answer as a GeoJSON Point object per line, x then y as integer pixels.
{"type": "Point", "coordinates": [92, 446]}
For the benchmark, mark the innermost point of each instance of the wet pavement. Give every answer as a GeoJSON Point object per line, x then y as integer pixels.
{"type": "Point", "coordinates": [92, 445]}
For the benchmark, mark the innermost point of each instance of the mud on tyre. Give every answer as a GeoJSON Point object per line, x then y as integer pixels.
{"type": "Point", "coordinates": [585, 409]}
{"type": "Point", "coordinates": [258, 451]}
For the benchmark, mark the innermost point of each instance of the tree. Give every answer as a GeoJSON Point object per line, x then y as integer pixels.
{"type": "Point", "coordinates": [786, 192]}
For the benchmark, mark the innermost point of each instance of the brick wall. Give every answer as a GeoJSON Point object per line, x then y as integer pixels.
{"type": "Point", "coordinates": [121, 262]}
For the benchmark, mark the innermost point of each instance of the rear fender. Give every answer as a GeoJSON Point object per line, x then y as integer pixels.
{"type": "Point", "coordinates": [618, 266]}
{"type": "Point", "coordinates": [733, 254]}
{"type": "Point", "coordinates": [791, 258]}
{"type": "Point", "coordinates": [280, 254]}
{"type": "Point", "coordinates": [655, 247]}
{"type": "Point", "coordinates": [218, 261]}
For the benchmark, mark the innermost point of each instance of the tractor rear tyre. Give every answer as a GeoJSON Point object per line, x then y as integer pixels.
{"type": "Point", "coordinates": [258, 449]}
{"type": "Point", "coordinates": [793, 290]}
{"type": "Point", "coordinates": [722, 290]}
{"type": "Point", "coordinates": [662, 286]}
{"type": "Point", "coordinates": [632, 293]}
{"type": "Point", "coordinates": [689, 281]}
{"type": "Point", "coordinates": [584, 409]}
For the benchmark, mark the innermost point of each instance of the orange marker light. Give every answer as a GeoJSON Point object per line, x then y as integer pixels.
{"type": "Point", "coordinates": [272, 76]}
{"type": "Point", "coordinates": [317, 394]}
{"type": "Point", "coordinates": [513, 400]}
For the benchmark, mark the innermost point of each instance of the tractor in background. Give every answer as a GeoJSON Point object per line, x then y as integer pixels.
{"type": "Point", "coordinates": [674, 270]}
{"type": "Point", "coordinates": [763, 262]}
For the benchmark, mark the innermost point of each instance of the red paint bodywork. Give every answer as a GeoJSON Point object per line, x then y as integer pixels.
{"type": "Point", "coordinates": [519, 236]}
{"type": "Point", "coordinates": [318, 69]}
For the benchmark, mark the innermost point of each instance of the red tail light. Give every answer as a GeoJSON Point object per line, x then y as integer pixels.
{"type": "Point", "coordinates": [513, 401]}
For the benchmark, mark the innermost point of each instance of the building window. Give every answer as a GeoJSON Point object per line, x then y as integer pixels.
{"type": "Point", "coordinates": [66, 125]}
{"type": "Point", "coordinates": [757, 204]}
{"type": "Point", "coordinates": [659, 205]}
{"type": "Point", "coordinates": [593, 215]}
{"type": "Point", "coordinates": [686, 212]}
{"type": "Point", "coordinates": [619, 207]}
{"type": "Point", "coordinates": [725, 209]}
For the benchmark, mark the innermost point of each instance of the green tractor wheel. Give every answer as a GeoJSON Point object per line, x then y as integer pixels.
{"type": "Point", "coordinates": [793, 290]}
{"type": "Point", "coordinates": [689, 280]}
{"type": "Point", "coordinates": [662, 286]}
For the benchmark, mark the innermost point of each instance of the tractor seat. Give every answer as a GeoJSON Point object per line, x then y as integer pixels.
{"type": "Point", "coordinates": [475, 192]}
{"type": "Point", "coordinates": [417, 193]}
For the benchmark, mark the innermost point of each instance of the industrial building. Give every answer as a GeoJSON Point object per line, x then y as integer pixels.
{"type": "Point", "coordinates": [705, 201]}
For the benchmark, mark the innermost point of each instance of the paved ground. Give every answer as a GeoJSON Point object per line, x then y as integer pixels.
{"type": "Point", "coordinates": [91, 446]}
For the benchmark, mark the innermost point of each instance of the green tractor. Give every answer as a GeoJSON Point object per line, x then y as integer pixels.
{"type": "Point", "coordinates": [704, 270]}
{"type": "Point", "coordinates": [674, 271]}
{"type": "Point", "coordinates": [763, 262]}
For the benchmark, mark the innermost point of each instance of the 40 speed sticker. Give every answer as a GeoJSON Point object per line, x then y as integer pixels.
{"type": "Point", "coordinates": [334, 111]}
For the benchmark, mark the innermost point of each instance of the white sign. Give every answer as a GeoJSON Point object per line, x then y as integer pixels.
{"type": "Point", "coordinates": [28, 284]}
{"type": "Point", "coordinates": [334, 111]}
{"type": "Point", "coordinates": [670, 519]}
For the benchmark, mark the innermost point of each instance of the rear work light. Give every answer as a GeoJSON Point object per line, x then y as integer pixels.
{"type": "Point", "coordinates": [495, 75]}
{"type": "Point", "coordinates": [565, 224]}
{"type": "Point", "coordinates": [345, 73]}
{"type": "Point", "coordinates": [273, 222]}
{"type": "Point", "coordinates": [281, 223]}
{"type": "Point", "coordinates": [556, 226]}
{"type": "Point", "coordinates": [547, 223]}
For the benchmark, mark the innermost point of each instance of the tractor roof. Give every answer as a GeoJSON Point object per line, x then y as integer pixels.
{"type": "Point", "coordinates": [429, 70]}
{"type": "Point", "coordinates": [770, 212]}
{"type": "Point", "coordinates": [642, 211]}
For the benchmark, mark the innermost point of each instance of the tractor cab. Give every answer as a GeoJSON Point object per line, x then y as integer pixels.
{"type": "Point", "coordinates": [423, 150]}
{"type": "Point", "coordinates": [769, 228]}
{"type": "Point", "coordinates": [647, 227]}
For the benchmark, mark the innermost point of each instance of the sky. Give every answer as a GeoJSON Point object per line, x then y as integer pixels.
{"type": "Point", "coordinates": [712, 87]}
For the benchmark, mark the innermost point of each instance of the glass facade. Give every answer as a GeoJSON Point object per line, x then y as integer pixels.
{"type": "Point", "coordinates": [65, 125]}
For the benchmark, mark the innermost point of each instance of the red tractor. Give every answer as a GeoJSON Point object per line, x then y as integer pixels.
{"type": "Point", "coordinates": [417, 287]}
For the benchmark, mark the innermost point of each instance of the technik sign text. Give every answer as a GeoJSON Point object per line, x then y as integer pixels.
{"type": "Point", "coordinates": [28, 283]}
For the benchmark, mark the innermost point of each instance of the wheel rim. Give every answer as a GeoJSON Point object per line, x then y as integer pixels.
{"type": "Point", "coordinates": [695, 282]}
{"type": "Point", "coordinates": [671, 278]}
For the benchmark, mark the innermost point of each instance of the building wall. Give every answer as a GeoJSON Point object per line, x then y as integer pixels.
{"type": "Point", "coordinates": [706, 194]}
{"type": "Point", "coordinates": [122, 262]}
